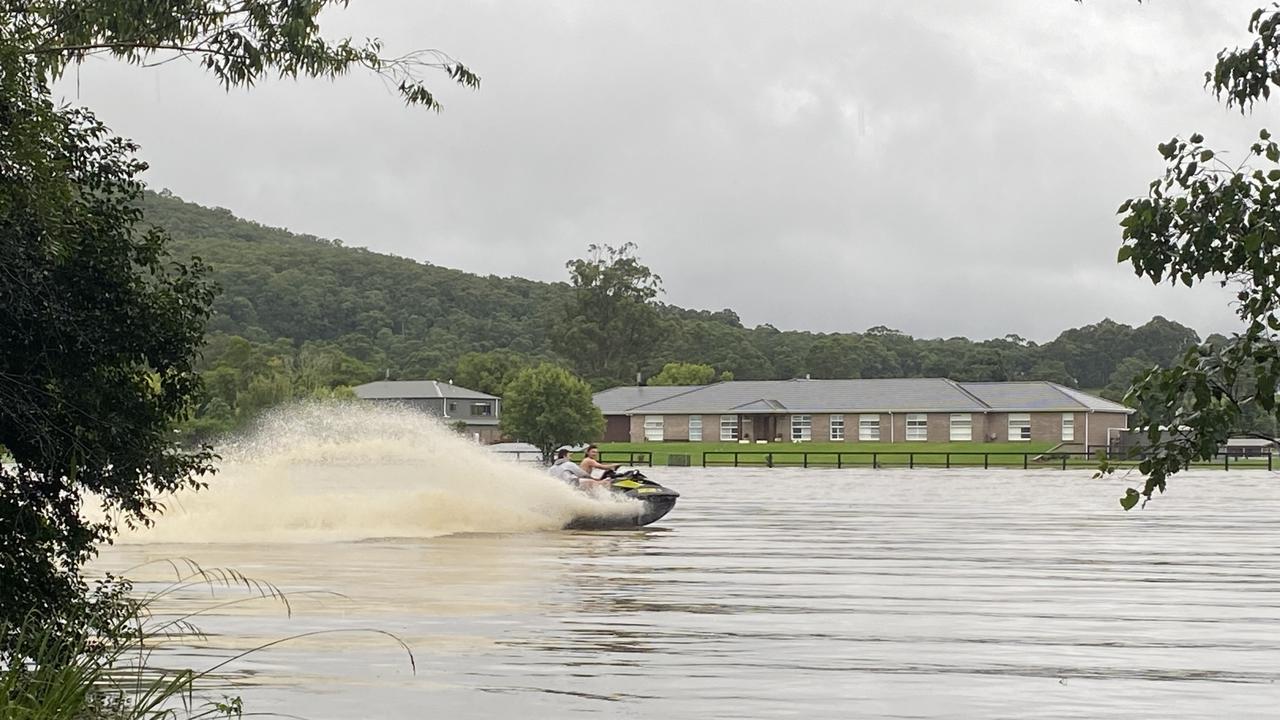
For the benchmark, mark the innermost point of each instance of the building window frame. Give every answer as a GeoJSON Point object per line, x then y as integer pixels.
{"type": "Point", "coordinates": [695, 428]}
{"type": "Point", "coordinates": [801, 428]}
{"type": "Point", "coordinates": [481, 409]}
{"type": "Point", "coordinates": [835, 425]}
{"type": "Point", "coordinates": [1019, 427]}
{"type": "Point", "coordinates": [869, 428]}
{"type": "Point", "coordinates": [917, 427]}
{"type": "Point", "coordinates": [654, 428]}
{"type": "Point", "coordinates": [728, 428]}
{"type": "Point", "coordinates": [960, 427]}
{"type": "Point", "coordinates": [1068, 427]}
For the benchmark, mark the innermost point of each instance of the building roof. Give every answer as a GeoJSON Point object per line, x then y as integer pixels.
{"type": "Point", "coordinates": [861, 395]}
{"type": "Point", "coordinates": [415, 389]}
{"type": "Point", "coordinates": [618, 400]}
{"type": "Point", "coordinates": [1038, 395]}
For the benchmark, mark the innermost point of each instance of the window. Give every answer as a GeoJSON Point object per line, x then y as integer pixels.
{"type": "Point", "coordinates": [1019, 426]}
{"type": "Point", "coordinates": [961, 426]}
{"type": "Point", "coordinates": [453, 407]}
{"type": "Point", "coordinates": [1068, 426]}
{"type": "Point", "coordinates": [695, 428]}
{"type": "Point", "coordinates": [868, 427]}
{"type": "Point", "coordinates": [917, 426]}
{"type": "Point", "coordinates": [653, 428]}
{"type": "Point", "coordinates": [728, 427]}
{"type": "Point", "coordinates": [837, 427]}
{"type": "Point", "coordinates": [481, 410]}
{"type": "Point", "coordinates": [801, 428]}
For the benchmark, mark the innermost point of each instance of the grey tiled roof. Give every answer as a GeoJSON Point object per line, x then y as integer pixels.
{"type": "Point", "coordinates": [1038, 395]}
{"type": "Point", "coordinates": [616, 401]}
{"type": "Point", "coordinates": [779, 396]}
{"type": "Point", "coordinates": [1092, 402]}
{"type": "Point", "coordinates": [863, 395]}
{"type": "Point", "coordinates": [412, 389]}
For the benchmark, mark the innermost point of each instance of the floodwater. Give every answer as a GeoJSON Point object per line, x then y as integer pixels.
{"type": "Point", "coordinates": [781, 593]}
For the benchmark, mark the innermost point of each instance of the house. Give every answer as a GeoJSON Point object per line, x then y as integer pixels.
{"type": "Point", "coordinates": [452, 404]}
{"type": "Point", "coordinates": [861, 411]}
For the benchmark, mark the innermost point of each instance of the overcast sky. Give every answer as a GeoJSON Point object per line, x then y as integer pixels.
{"type": "Point", "coordinates": [945, 168]}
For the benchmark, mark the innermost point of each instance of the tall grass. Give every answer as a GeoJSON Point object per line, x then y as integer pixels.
{"type": "Point", "coordinates": [111, 674]}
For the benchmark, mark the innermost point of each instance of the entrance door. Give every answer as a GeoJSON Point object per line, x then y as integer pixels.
{"type": "Point", "coordinates": [762, 427]}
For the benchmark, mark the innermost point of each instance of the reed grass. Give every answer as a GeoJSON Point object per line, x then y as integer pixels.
{"type": "Point", "coordinates": [112, 674]}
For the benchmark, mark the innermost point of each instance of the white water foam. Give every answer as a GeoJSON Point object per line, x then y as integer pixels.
{"type": "Point", "coordinates": [348, 471]}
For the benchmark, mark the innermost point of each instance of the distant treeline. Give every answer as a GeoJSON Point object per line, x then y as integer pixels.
{"type": "Point", "coordinates": [301, 316]}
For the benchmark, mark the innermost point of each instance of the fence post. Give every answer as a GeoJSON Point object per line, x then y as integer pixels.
{"type": "Point", "coordinates": [1226, 461]}
{"type": "Point", "coordinates": [840, 456]}
{"type": "Point", "coordinates": [911, 461]}
{"type": "Point", "coordinates": [804, 458]}
{"type": "Point", "coordinates": [1268, 462]}
{"type": "Point", "coordinates": [1024, 461]}
{"type": "Point", "coordinates": [1064, 461]}
{"type": "Point", "coordinates": [768, 460]}
{"type": "Point", "coordinates": [948, 461]}
{"type": "Point", "coordinates": [874, 464]}
{"type": "Point", "coordinates": [986, 461]}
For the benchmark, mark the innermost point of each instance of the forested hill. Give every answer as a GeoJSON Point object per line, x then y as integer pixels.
{"type": "Point", "coordinates": [404, 316]}
{"type": "Point", "coordinates": [299, 314]}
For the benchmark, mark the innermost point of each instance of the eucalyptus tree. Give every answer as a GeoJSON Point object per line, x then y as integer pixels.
{"type": "Point", "coordinates": [609, 326]}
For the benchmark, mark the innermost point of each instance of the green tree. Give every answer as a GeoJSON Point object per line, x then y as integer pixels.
{"type": "Point", "coordinates": [1207, 218]}
{"type": "Point", "coordinates": [678, 373]}
{"type": "Point", "coordinates": [547, 406]}
{"type": "Point", "coordinates": [610, 324]}
{"type": "Point", "coordinates": [101, 325]}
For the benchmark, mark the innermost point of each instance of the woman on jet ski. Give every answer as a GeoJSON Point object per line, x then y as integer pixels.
{"type": "Point", "coordinates": [591, 463]}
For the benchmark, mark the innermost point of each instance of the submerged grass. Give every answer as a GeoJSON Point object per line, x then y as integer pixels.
{"type": "Point", "coordinates": [112, 674]}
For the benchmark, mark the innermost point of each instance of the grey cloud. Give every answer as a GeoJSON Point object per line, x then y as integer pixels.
{"type": "Point", "coordinates": [944, 168]}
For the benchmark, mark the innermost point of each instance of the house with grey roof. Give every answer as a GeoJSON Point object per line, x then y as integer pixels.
{"type": "Point", "coordinates": [861, 411]}
{"type": "Point", "coordinates": [451, 403]}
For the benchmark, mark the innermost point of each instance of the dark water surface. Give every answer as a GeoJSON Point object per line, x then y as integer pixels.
{"type": "Point", "coordinates": [788, 593]}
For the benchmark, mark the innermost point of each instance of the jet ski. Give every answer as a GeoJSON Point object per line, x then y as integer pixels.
{"type": "Point", "coordinates": [655, 502]}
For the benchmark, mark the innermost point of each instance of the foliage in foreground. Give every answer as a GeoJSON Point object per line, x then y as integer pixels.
{"type": "Point", "coordinates": [1207, 218]}
{"type": "Point", "coordinates": [100, 326]}
{"type": "Point", "coordinates": [112, 673]}
{"type": "Point", "coordinates": [99, 330]}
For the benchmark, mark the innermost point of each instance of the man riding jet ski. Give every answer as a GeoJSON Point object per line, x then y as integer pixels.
{"type": "Point", "coordinates": [655, 500]}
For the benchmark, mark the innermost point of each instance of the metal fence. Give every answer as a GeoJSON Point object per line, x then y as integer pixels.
{"type": "Point", "coordinates": [636, 458]}
{"type": "Point", "coordinates": [945, 459]}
